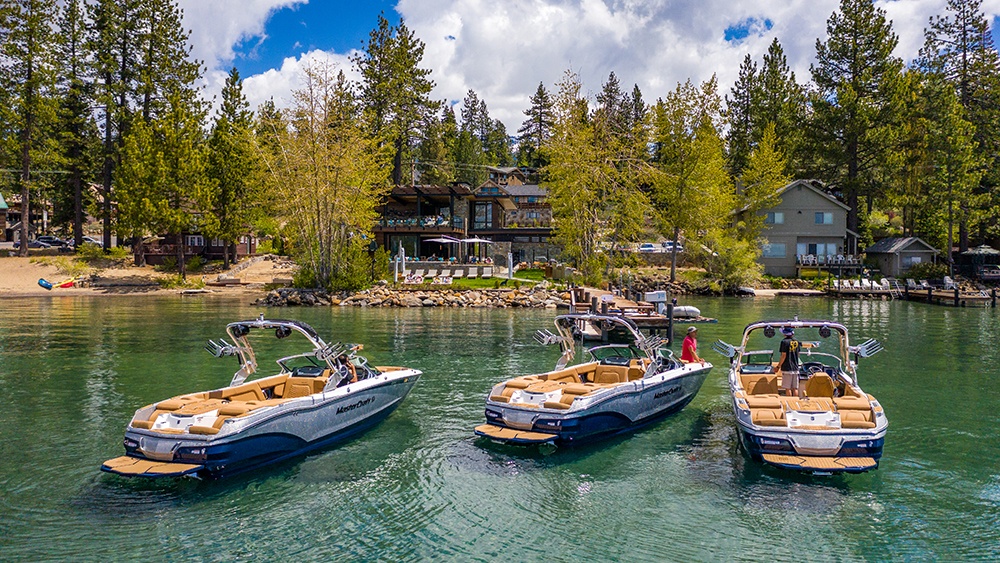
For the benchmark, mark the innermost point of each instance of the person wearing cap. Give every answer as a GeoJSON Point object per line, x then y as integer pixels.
{"type": "Point", "coordinates": [788, 363]}
{"type": "Point", "coordinates": [689, 349]}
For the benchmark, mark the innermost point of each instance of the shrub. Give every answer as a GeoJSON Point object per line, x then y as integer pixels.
{"type": "Point", "coordinates": [195, 264]}
{"type": "Point", "coordinates": [927, 271]}
{"type": "Point", "coordinates": [169, 265]}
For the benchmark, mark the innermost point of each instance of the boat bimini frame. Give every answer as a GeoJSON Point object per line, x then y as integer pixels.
{"type": "Point", "coordinates": [243, 351]}
{"type": "Point", "coordinates": [570, 327]}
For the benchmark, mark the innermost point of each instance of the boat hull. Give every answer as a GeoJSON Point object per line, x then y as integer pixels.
{"type": "Point", "coordinates": [622, 409]}
{"type": "Point", "coordinates": [288, 430]}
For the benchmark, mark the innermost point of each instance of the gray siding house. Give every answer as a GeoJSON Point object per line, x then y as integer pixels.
{"type": "Point", "coordinates": [895, 256]}
{"type": "Point", "coordinates": [807, 227]}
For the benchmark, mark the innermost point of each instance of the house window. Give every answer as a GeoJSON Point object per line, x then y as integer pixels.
{"type": "Point", "coordinates": [533, 215]}
{"type": "Point", "coordinates": [824, 218]}
{"type": "Point", "coordinates": [910, 261]}
{"type": "Point", "coordinates": [483, 218]}
{"type": "Point", "coordinates": [532, 199]}
{"type": "Point", "coordinates": [774, 250]}
{"type": "Point", "coordinates": [774, 218]}
{"type": "Point", "coordinates": [194, 240]}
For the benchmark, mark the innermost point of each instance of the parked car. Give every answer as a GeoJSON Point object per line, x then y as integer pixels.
{"type": "Point", "coordinates": [33, 244]}
{"type": "Point", "coordinates": [51, 240]}
{"type": "Point", "coordinates": [647, 247]}
{"type": "Point", "coordinates": [668, 246]}
{"type": "Point", "coordinates": [85, 240]}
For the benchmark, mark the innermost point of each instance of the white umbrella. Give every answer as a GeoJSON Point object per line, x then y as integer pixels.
{"type": "Point", "coordinates": [477, 239]}
{"type": "Point", "coordinates": [443, 240]}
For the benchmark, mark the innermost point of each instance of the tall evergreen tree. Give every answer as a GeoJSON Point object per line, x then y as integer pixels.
{"type": "Point", "coordinates": [164, 63]}
{"type": "Point", "coordinates": [782, 101]}
{"type": "Point", "coordinates": [857, 101]}
{"type": "Point", "coordinates": [233, 165]}
{"type": "Point", "coordinates": [27, 56]}
{"type": "Point", "coordinates": [536, 129]}
{"type": "Point", "coordinates": [740, 115]}
{"type": "Point", "coordinates": [114, 43]}
{"type": "Point", "coordinates": [435, 154]}
{"type": "Point", "coordinates": [76, 127]}
{"type": "Point", "coordinates": [395, 91]}
{"type": "Point", "coordinates": [959, 47]}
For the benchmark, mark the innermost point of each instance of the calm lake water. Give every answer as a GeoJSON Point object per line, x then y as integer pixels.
{"type": "Point", "coordinates": [420, 486]}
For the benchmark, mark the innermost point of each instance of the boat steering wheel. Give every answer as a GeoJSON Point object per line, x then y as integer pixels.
{"type": "Point", "coordinates": [813, 367]}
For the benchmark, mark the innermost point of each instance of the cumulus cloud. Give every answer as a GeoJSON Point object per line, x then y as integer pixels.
{"type": "Point", "coordinates": [502, 50]}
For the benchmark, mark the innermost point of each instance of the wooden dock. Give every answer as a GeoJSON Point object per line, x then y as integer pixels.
{"type": "Point", "coordinates": [926, 294]}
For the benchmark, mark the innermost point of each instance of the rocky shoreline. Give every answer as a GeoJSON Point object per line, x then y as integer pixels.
{"type": "Point", "coordinates": [533, 298]}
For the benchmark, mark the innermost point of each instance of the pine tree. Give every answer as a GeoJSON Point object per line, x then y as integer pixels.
{"type": "Point", "coordinates": [741, 117]}
{"type": "Point", "coordinates": [781, 101]}
{"type": "Point", "coordinates": [164, 62]}
{"type": "Point", "coordinates": [395, 91]}
{"type": "Point", "coordinates": [76, 128]}
{"type": "Point", "coordinates": [234, 167]}
{"type": "Point", "coordinates": [114, 43]}
{"type": "Point", "coordinates": [27, 56]}
{"type": "Point", "coordinates": [761, 179]}
{"type": "Point", "coordinates": [959, 47]}
{"type": "Point", "coordinates": [435, 159]}
{"type": "Point", "coordinates": [857, 101]}
{"type": "Point", "coordinates": [535, 130]}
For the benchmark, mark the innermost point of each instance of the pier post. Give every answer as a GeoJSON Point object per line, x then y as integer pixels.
{"type": "Point", "coordinates": [956, 297]}
{"type": "Point", "coordinates": [593, 305]}
{"type": "Point", "coordinates": [670, 323]}
{"type": "Point", "coordinates": [930, 296]}
{"type": "Point", "coordinates": [993, 297]}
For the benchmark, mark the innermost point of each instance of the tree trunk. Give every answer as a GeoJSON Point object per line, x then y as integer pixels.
{"type": "Point", "coordinates": [138, 255]}
{"type": "Point", "coordinates": [108, 166]}
{"type": "Point", "coordinates": [180, 255]}
{"type": "Point", "coordinates": [225, 255]}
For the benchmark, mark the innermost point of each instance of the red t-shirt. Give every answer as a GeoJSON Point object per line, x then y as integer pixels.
{"type": "Point", "coordinates": [689, 349]}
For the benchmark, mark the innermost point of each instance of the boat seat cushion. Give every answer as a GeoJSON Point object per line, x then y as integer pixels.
{"type": "Point", "coordinates": [246, 392]}
{"type": "Point", "coordinates": [771, 401]}
{"type": "Point", "coordinates": [520, 383]}
{"type": "Point", "coordinates": [852, 403]}
{"type": "Point", "coordinates": [820, 385]}
{"type": "Point", "coordinates": [856, 419]}
{"type": "Point", "coordinates": [302, 387]}
{"type": "Point", "coordinates": [611, 374]}
{"type": "Point", "coordinates": [767, 417]}
{"type": "Point", "coordinates": [760, 384]}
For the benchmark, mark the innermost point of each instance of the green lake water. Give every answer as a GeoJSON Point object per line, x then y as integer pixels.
{"type": "Point", "coordinates": [419, 486]}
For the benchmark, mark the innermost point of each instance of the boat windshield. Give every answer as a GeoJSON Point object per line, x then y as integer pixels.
{"type": "Point", "coordinates": [614, 354]}
{"type": "Point", "coordinates": [822, 349]}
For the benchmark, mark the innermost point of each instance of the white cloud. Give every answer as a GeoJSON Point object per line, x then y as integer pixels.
{"type": "Point", "coordinates": [279, 83]}
{"type": "Point", "coordinates": [502, 50]}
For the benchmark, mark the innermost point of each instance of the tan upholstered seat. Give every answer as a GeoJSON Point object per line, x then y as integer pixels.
{"type": "Point", "coordinates": [820, 385]}
{"type": "Point", "coordinates": [767, 417]}
{"type": "Point", "coordinates": [302, 387]}
{"type": "Point", "coordinates": [763, 401]}
{"type": "Point", "coordinates": [760, 384]}
{"type": "Point", "coordinates": [852, 403]}
{"type": "Point", "coordinates": [856, 419]}
{"type": "Point", "coordinates": [611, 374]}
{"type": "Point", "coordinates": [519, 383]}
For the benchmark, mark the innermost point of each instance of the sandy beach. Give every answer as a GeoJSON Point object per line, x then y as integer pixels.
{"type": "Point", "coordinates": [19, 278]}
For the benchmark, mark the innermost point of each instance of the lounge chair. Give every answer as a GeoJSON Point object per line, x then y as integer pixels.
{"type": "Point", "coordinates": [432, 273]}
{"type": "Point", "coordinates": [856, 285]}
{"type": "Point", "coordinates": [457, 273]}
{"type": "Point", "coordinates": [445, 273]}
{"type": "Point", "coordinates": [884, 284]}
{"type": "Point", "coordinates": [949, 283]}
{"type": "Point", "coordinates": [866, 284]}
{"type": "Point", "coordinates": [472, 273]}
{"type": "Point", "coordinates": [910, 284]}
{"type": "Point", "coordinates": [488, 272]}
{"type": "Point", "coordinates": [923, 284]}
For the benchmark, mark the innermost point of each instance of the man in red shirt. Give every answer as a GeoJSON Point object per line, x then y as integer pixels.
{"type": "Point", "coordinates": [689, 349]}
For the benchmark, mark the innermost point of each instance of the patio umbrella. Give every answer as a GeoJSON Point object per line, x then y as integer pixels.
{"type": "Point", "coordinates": [983, 250]}
{"type": "Point", "coordinates": [444, 240]}
{"type": "Point", "coordinates": [477, 239]}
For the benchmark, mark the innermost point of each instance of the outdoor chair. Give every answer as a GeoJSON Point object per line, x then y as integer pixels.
{"type": "Point", "coordinates": [949, 283]}
{"type": "Point", "coordinates": [487, 272]}
{"type": "Point", "coordinates": [457, 273]}
{"type": "Point", "coordinates": [910, 284]}
{"type": "Point", "coordinates": [884, 284]}
{"type": "Point", "coordinates": [472, 273]}
{"type": "Point", "coordinates": [866, 284]}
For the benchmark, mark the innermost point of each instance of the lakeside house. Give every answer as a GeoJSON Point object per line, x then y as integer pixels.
{"type": "Point", "coordinates": [514, 216]}
{"type": "Point", "coordinates": [807, 229]}
{"type": "Point", "coordinates": [894, 256]}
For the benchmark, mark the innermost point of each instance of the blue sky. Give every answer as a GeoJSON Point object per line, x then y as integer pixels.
{"type": "Point", "coordinates": [502, 49]}
{"type": "Point", "coordinates": [329, 25]}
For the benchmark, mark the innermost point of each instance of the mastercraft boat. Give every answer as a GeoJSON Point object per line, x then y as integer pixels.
{"type": "Point", "coordinates": [624, 384]}
{"type": "Point", "coordinates": [316, 399]}
{"type": "Point", "coordinates": [831, 425]}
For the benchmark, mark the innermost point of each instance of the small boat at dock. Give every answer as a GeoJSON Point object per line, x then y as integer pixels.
{"type": "Point", "coordinates": [318, 397]}
{"type": "Point", "coordinates": [619, 387]}
{"type": "Point", "coordinates": [832, 426]}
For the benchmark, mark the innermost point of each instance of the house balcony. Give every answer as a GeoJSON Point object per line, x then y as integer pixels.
{"type": "Point", "coordinates": [430, 224]}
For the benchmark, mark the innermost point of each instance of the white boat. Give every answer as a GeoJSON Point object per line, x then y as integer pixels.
{"type": "Point", "coordinates": [833, 426]}
{"type": "Point", "coordinates": [619, 388]}
{"type": "Point", "coordinates": [310, 403]}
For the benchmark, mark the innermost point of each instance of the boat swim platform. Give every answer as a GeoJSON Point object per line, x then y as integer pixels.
{"type": "Point", "coordinates": [127, 466]}
{"type": "Point", "coordinates": [513, 436]}
{"type": "Point", "coordinates": [821, 463]}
